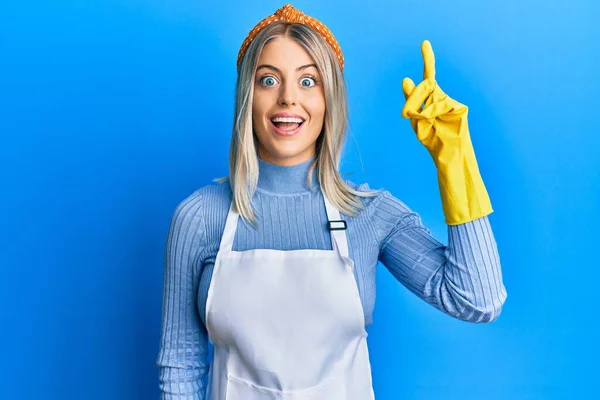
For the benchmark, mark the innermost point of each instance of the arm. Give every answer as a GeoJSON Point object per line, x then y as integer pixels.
{"type": "Point", "coordinates": [182, 361]}
{"type": "Point", "coordinates": [463, 279]}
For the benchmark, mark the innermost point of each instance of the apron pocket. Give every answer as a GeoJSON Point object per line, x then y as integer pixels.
{"type": "Point", "coordinates": [329, 389]}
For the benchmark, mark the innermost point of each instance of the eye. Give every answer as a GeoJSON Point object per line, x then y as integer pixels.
{"type": "Point", "coordinates": [308, 81]}
{"type": "Point", "coordinates": [267, 80]}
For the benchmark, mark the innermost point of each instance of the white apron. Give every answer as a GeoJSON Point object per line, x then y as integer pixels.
{"type": "Point", "coordinates": [286, 324]}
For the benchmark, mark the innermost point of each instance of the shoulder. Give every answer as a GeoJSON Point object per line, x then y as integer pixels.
{"type": "Point", "coordinates": [197, 207]}
{"type": "Point", "coordinates": [382, 199]}
{"type": "Point", "coordinates": [215, 193]}
{"type": "Point", "coordinates": [385, 211]}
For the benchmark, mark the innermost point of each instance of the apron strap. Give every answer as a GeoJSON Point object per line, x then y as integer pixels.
{"type": "Point", "coordinates": [339, 238]}
{"type": "Point", "coordinates": [230, 228]}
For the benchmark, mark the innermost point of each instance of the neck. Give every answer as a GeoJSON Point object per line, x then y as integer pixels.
{"type": "Point", "coordinates": [285, 178]}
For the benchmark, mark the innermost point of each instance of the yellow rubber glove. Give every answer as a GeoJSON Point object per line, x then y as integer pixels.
{"type": "Point", "coordinates": [441, 126]}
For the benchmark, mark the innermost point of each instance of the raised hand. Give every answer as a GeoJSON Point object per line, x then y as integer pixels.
{"type": "Point", "coordinates": [441, 126]}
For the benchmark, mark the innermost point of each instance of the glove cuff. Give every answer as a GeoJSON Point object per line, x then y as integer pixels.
{"type": "Point", "coordinates": [463, 193]}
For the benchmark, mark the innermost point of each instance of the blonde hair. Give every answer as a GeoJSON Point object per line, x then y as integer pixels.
{"type": "Point", "coordinates": [243, 156]}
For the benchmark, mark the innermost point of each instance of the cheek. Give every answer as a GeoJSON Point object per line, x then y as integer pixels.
{"type": "Point", "coordinates": [316, 108]}
{"type": "Point", "coordinates": [259, 106]}
{"type": "Point", "coordinates": [256, 109]}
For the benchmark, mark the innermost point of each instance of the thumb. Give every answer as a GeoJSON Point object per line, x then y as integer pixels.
{"type": "Point", "coordinates": [407, 87]}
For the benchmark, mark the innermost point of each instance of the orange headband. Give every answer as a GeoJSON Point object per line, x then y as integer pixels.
{"type": "Point", "coordinates": [292, 15]}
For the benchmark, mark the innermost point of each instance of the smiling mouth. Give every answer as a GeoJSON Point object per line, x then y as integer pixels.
{"type": "Point", "coordinates": [287, 124]}
{"type": "Point", "coordinates": [286, 128]}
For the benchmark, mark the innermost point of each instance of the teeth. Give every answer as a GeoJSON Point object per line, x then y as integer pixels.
{"type": "Point", "coordinates": [288, 119]}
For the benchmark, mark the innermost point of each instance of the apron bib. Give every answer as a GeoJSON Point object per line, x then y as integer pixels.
{"type": "Point", "coordinates": [286, 325]}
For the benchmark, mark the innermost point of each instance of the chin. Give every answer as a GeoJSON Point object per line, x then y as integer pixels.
{"type": "Point", "coordinates": [285, 156]}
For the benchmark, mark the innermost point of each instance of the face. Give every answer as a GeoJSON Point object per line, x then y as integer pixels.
{"type": "Point", "coordinates": [289, 103]}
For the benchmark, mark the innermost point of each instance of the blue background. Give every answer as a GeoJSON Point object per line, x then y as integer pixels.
{"type": "Point", "coordinates": [112, 112]}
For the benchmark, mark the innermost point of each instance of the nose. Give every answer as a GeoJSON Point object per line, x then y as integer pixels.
{"type": "Point", "coordinates": [288, 94]}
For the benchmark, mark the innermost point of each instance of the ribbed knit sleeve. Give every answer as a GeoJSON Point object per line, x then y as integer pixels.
{"type": "Point", "coordinates": [462, 279]}
{"type": "Point", "coordinates": [182, 358]}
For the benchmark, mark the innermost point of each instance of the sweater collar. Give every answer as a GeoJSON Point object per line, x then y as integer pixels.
{"type": "Point", "coordinates": [285, 179]}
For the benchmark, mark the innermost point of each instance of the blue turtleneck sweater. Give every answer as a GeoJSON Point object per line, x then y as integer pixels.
{"type": "Point", "coordinates": [462, 279]}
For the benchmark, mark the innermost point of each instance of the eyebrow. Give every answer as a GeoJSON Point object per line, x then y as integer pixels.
{"type": "Point", "coordinates": [278, 71]}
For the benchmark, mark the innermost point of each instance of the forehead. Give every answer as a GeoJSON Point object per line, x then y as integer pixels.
{"type": "Point", "coordinates": [284, 51]}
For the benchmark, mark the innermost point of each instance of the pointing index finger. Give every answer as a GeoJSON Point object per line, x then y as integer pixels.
{"type": "Point", "coordinates": [429, 59]}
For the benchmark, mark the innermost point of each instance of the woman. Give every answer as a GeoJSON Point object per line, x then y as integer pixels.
{"type": "Point", "coordinates": [285, 292]}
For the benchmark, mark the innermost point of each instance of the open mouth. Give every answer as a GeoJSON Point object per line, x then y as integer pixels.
{"type": "Point", "coordinates": [287, 125]}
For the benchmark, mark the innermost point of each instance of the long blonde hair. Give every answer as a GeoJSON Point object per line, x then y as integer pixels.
{"type": "Point", "coordinates": [243, 156]}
